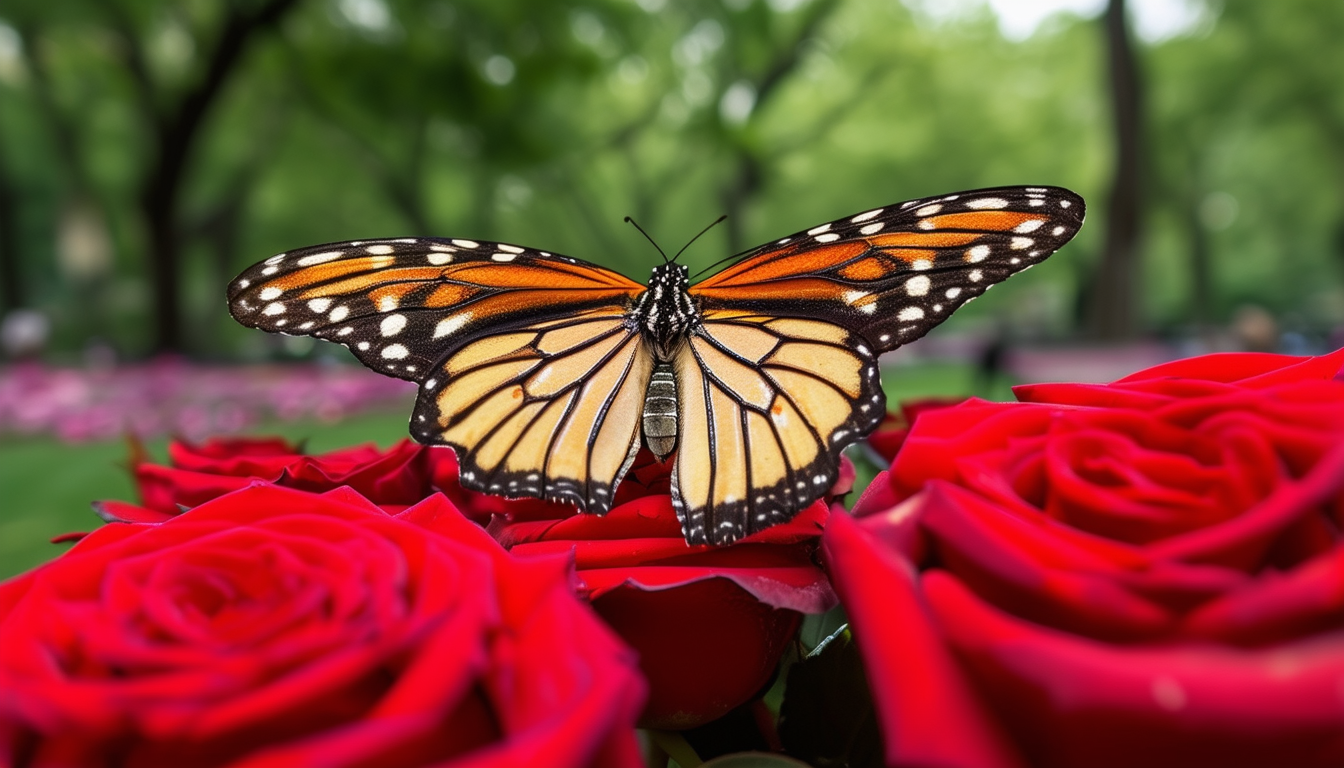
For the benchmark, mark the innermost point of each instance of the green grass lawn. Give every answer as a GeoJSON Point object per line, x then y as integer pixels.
{"type": "Point", "coordinates": [46, 485]}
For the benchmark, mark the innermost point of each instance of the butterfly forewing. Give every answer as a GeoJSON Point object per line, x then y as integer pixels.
{"type": "Point", "coordinates": [401, 304]}
{"type": "Point", "coordinates": [892, 274]}
{"type": "Point", "coordinates": [525, 363]}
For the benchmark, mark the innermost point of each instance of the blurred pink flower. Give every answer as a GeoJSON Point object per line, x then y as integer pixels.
{"type": "Point", "coordinates": [187, 399]}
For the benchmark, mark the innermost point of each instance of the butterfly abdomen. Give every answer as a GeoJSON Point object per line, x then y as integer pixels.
{"type": "Point", "coordinates": [660, 412]}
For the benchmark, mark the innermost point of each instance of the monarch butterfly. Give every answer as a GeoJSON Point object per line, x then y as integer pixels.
{"type": "Point", "coordinates": [544, 372]}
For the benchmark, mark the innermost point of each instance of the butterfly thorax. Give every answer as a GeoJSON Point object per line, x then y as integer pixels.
{"type": "Point", "coordinates": [665, 312]}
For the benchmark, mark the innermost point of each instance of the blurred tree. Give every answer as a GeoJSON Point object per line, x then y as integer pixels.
{"type": "Point", "coordinates": [176, 61]}
{"type": "Point", "coordinates": [175, 119]}
{"type": "Point", "coordinates": [12, 295]}
{"type": "Point", "coordinates": [1113, 290]}
{"type": "Point", "coordinates": [1247, 122]}
{"type": "Point", "coordinates": [545, 123]}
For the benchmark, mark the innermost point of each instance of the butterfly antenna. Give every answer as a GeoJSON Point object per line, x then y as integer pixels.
{"type": "Point", "coordinates": [635, 224]}
{"type": "Point", "coordinates": [712, 224]}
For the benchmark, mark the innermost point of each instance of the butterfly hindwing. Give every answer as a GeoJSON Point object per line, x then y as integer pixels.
{"type": "Point", "coordinates": [892, 274]}
{"type": "Point", "coordinates": [398, 304]}
{"type": "Point", "coordinates": [766, 406]}
{"type": "Point", "coordinates": [548, 410]}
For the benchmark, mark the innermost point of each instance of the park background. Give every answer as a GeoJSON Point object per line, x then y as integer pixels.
{"type": "Point", "coordinates": [149, 151]}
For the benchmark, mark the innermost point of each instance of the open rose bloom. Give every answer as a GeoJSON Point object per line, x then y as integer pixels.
{"type": "Point", "coordinates": [276, 627]}
{"type": "Point", "coordinates": [1143, 573]}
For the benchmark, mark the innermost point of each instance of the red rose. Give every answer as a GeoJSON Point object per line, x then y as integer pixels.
{"type": "Point", "coordinates": [1141, 573]}
{"type": "Point", "coordinates": [275, 627]}
{"type": "Point", "coordinates": [396, 478]}
{"type": "Point", "coordinates": [887, 439]}
{"type": "Point", "coordinates": [710, 623]}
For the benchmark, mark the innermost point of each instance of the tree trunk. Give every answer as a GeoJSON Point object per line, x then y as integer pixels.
{"type": "Point", "coordinates": [1201, 260]}
{"type": "Point", "coordinates": [1112, 307]}
{"type": "Point", "coordinates": [12, 294]}
{"type": "Point", "coordinates": [177, 134]}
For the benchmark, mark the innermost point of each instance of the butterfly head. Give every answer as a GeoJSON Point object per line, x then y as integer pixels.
{"type": "Point", "coordinates": [670, 276]}
{"type": "Point", "coordinates": [664, 311]}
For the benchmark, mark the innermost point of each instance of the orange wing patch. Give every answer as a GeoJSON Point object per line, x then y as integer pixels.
{"type": "Point", "coordinates": [995, 221]}
{"type": "Point", "coordinates": [923, 239]}
{"type": "Point", "coordinates": [791, 261]}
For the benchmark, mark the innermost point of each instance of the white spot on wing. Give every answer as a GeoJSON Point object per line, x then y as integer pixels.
{"type": "Point", "coordinates": [268, 294]}
{"type": "Point", "coordinates": [866, 216]}
{"type": "Point", "coordinates": [1030, 225]}
{"type": "Point", "coordinates": [1021, 243]}
{"type": "Point", "coordinates": [319, 305]}
{"type": "Point", "coordinates": [379, 250]}
{"type": "Point", "coordinates": [1057, 231]}
{"type": "Point", "coordinates": [987, 202]}
{"type": "Point", "coordinates": [395, 352]}
{"type": "Point", "coordinates": [953, 293]}
{"type": "Point", "coordinates": [509, 248]}
{"type": "Point", "coordinates": [466, 244]}
{"type": "Point", "coordinates": [919, 265]}
{"type": "Point", "coordinates": [827, 238]}
{"type": "Point", "coordinates": [977, 254]}
{"type": "Point", "coordinates": [274, 308]}
{"type": "Point", "coordinates": [276, 259]}
{"type": "Point", "coordinates": [910, 314]}
{"type": "Point", "coordinates": [320, 258]}
{"type": "Point", "coordinates": [819, 230]}
{"type": "Point", "coordinates": [387, 303]}
{"type": "Point", "coordinates": [340, 313]}
{"type": "Point", "coordinates": [439, 258]}
{"type": "Point", "coordinates": [392, 325]}
{"type": "Point", "coordinates": [929, 210]}
{"type": "Point", "coordinates": [873, 228]}
{"type": "Point", "coordinates": [976, 276]}
{"type": "Point", "coordinates": [451, 324]}
{"type": "Point", "coordinates": [503, 256]}
{"type": "Point", "coordinates": [918, 285]}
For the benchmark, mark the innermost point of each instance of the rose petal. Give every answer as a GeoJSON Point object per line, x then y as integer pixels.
{"type": "Point", "coordinates": [1248, 369]}
{"type": "Point", "coordinates": [1076, 702]}
{"type": "Point", "coordinates": [928, 710]}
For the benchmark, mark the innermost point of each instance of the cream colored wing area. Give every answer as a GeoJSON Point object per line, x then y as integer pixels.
{"type": "Point", "coordinates": [549, 411]}
{"type": "Point", "coordinates": [767, 405]}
